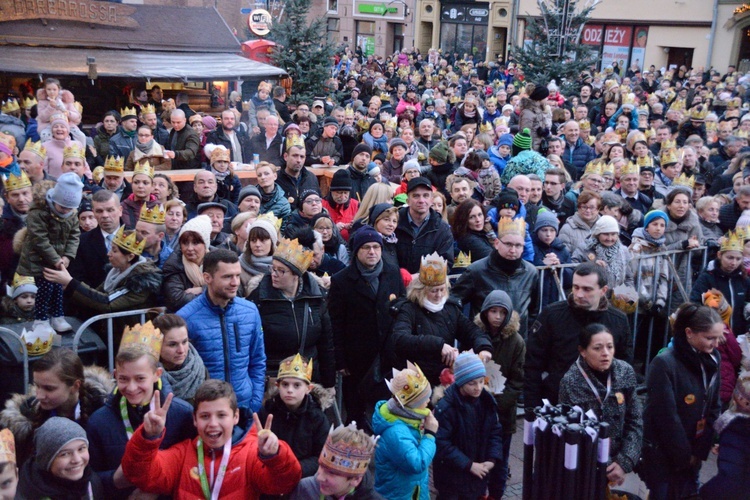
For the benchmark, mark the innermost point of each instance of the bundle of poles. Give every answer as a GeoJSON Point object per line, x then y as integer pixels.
{"type": "Point", "coordinates": [565, 454]}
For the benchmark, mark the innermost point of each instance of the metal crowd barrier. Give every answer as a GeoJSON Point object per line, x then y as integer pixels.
{"type": "Point", "coordinates": [25, 353]}
{"type": "Point", "coordinates": [110, 334]}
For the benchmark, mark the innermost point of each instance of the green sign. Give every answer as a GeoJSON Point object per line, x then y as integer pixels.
{"type": "Point", "coordinates": [378, 9]}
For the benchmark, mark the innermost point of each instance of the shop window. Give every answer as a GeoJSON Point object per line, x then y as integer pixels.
{"type": "Point", "coordinates": [333, 6]}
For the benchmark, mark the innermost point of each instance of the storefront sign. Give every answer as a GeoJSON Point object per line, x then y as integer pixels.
{"type": "Point", "coordinates": [592, 34]}
{"type": "Point", "coordinates": [473, 13]}
{"type": "Point", "coordinates": [87, 11]}
{"type": "Point", "coordinates": [616, 46]}
{"type": "Point", "coordinates": [379, 9]}
{"type": "Point", "coordinates": [259, 21]}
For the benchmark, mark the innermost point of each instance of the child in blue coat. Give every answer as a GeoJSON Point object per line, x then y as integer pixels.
{"type": "Point", "coordinates": [407, 437]}
{"type": "Point", "coordinates": [549, 250]}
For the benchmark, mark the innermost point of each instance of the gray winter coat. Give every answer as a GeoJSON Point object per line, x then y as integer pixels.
{"type": "Point", "coordinates": [574, 233]}
{"type": "Point", "coordinates": [676, 239]}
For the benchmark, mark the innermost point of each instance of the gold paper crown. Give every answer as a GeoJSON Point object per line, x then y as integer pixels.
{"type": "Point", "coordinates": [611, 138]}
{"type": "Point", "coordinates": [114, 165]}
{"type": "Point", "coordinates": [347, 451]}
{"type": "Point", "coordinates": [59, 116]}
{"type": "Point", "coordinates": [292, 253]}
{"type": "Point", "coordinates": [391, 123]}
{"type": "Point", "coordinates": [649, 132]}
{"type": "Point", "coordinates": [348, 112]}
{"type": "Point", "coordinates": [148, 109]}
{"type": "Point", "coordinates": [39, 340]}
{"type": "Point", "coordinates": [7, 447]}
{"type": "Point", "coordinates": [669, 144]}
{"type": "Point", "coordinates": [624, 89]}
{"type": "Point", "coordinates": [594, 167]}
{"type": "Point", "coordinates": [13, 182]}
{"type": "Point", "coordinates": [490, 100]}
{"type": "Point", "coordinates": [296, 367]}
{"type": "Point", "coordinates": [628, 99]}
{"type": "Point", "coordinates": [433, 270]}
{"type": "Point", "coordinates": [506, 225]}
{"type": "Point", "coordinates": [742, 134]}
{"type": "Point", "coordinates": [678, 105]}
{"type": "Point", "coordinates": [10, 106]}
{"type": "Point", "coordinates": [144, 168]}
{"type": "Point", "coordinates": [146, 336]}
{"type": "Point", "coordinates": [644, 109]}
{"type": "Point", "coordinates": [734, 103]}
{"type": "Point", "coordinates": [608, 169]}
{"type": "Point", "coordinates": [629, 168]}
{"type": "Point", "coordinates": [36, 148]}
{"type": "Point", "coordinates": [295, 140]}
{"type": "Point", "coordinates": [75, 150]}
{"type": "Point", "coordinates": [153, 215]}
{"type": "Point", "coordinates": [710, 126]}
{"type": "Point", "coordinates": [485, 128]}
{"type": "Point", "coordinates": [584, 124]}
{"type": "Point", "coordinates": [385, 96]}
{"type": "Point", "coordinates": [271, 217]}
{"type": "Point", "coordinates": [220, 153]}
{"type": "Point", "coordinates": [363, 124]}
{"type": "Point", "coordinates": [19, 280]}
{"type": "Point", "coordinates": [265, 86]}
{"type": "Point", "coordinates": [407, 384]}
{"type": "Point", "coordinates": [78, 107]}
{"type": "Point", "coordinates": [127, 111]}
{"type": "Point", "coordinates": [463, 260]}
{"type": "Point", "coordinates": [668, 156]}
{"type": "Point", "coordinates": [29, 102]}
{"type": "Point", "coordinates": [698, 113]}
{"type": "Point", "coordinates": [129, 243]}
{"type": "Point", "coordinates": [455, 99]}
{"type": "Point", "coordinates": [684, 180]}
{"type": "Point", "coordinates": [732, 241]}
{"type": "Point", "coordinates": [97, 174]}
{"type": "Point", "coordinates": [644, 162]}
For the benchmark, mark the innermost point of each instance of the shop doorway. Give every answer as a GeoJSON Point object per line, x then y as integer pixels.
{"type": "Point", "coordinates": [743, 58]}
{"type": "Point", "coordinates": [679, 56]}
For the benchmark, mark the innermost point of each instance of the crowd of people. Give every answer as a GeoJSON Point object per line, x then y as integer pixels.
{"type": "Point", "coordinates": [420, 268]}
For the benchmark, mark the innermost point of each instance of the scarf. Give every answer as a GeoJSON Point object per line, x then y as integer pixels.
{"type": "Point", "coordinates": [371, 276]}
{"type": "Point", "coordinates": [20, 216]}
{"type": "Point", "coordinates": [433, 307]}
{"type": "Point", "coordinates": [7, 161]}
{"type": "Point", "coordinates": [186, 379]}
{"type": "Point", "coordinates": [194, 272]}
{"type": "Point", "coordinates": [654, 241]}
{"type": "Point", "coordinates": [115, 277]}
{"type": "Point", "coordinates": [396, 409]}
{"type": "Point", "coordinates": [469, 114]}
{"type": "Point", "coordinates": [144, 148]}
{"type": "Point", "coordinates": [266, 198]}
{"type": "Point", "coordinates": [391, 238]}
{"type": "Point", "coordinates": [611, 255]}
{"type": "Point", "coordinates": [220, 176]}
{"type": "Point", "coordinates": [255, 265]}
{"type": "Point", "coordinates": [680, 220]}
{"type": "Point", "coordinates": [507, 266]}
{"type": "Point", "coordinates": [35, 482]}
{"type": "Point", "coordinates": [128, 133]}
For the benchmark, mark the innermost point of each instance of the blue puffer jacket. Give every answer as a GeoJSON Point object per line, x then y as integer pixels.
{"type": "Point", "coordinates": [230, 342]}
{"type": "Point", "coordinates": [403, 456]}
{"type": "Point", "coordinates": [579, 156]}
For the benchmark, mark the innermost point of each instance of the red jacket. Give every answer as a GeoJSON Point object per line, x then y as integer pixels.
{"type": "Point", "coordinates": [342, 213]}
{"type": "Point", "coordinates": [175, 471]}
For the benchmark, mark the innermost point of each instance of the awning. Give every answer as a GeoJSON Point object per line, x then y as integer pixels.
{"type": "Point", "coordinates": [161, 65]}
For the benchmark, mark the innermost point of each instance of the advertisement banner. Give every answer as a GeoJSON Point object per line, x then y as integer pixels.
{"type": "Point", "coordinates": [617, 46]}
{"type": "Point", "coordinates": [639, 46]}
{"type": "Point", "coordinates": [367, 44]}
{"type": "Point", "coordinates": [592, 35]}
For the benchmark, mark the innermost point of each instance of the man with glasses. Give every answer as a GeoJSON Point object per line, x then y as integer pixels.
{"type": "Point", "coordinates": [553, 195]}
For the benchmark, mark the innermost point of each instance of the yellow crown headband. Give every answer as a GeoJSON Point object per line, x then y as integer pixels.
{"type": "Point", "coordinates": [14, 183]}
{"type": "Point", "coordinates": [75, 150]}
{"type": "Point", "coordinates": [153, 215]}
{"type": "Point", "coordinates": [506, 225]}
{"type": "Point", "coordinates": [297, 368]}
{"type": "Point", "coordinates": [144, 168]}
{"type": "Point", "coordinates": [36, 148]}
{"type": "Point", "coordinates": [733, 241]}
{"type": "Point", "coordinates": [408, 385]}
{"type": "Point", "coordinates": [292, 253]}
{"type": "Point", "coordinates": [129, 243]}
{"type": "Point", "coordinates": [114, 165]}
{"type": "Point", "coordinates": [143, 336]}
{"type": "Point", "coordinates": [433, 270]}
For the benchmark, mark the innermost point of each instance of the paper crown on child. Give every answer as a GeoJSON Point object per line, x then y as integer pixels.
{"type": "Point", "coordinates": [733, 241]}
{"type": "Point", "coordinates": [584, 124]}
{"type": "Point", "coordinates": [409, 386]}
{"type": "Point", "coordinates": [220, 153]}
{"type": "Point", "coordinates": [348, 112]}
{"type": "Point", "coordinates": [506, 225]}
{"type": "Point", "coordinates": [391, 123]}
{"type": "Point", "coordinates": [296, 367]}
{"type": "Point", "coordinates": [19, 281]}
{"type": "Point", "coordinates": [698, 113]}
{"type": "Point", "coordinates": [594, 167]}
{"type": "Point", "coordinates": [265, 86]}
{"type": "Point", "coordinates": [433, 270]}
{"type": "Point", "coordinates": [490, 100]}
{"type": "Point", "coordinates": [668, 156]}
{"type": "Point", "coordinates": [295, 141]}
{"type": "Point", "coordinates": [153, 215]}
{"type": "Point", "coordinates": [685, 180]}
{"type": "Point", "coordinates": [14, 182]}
{"type": "Point", "coordinates": [291, 252]}
{"type": "Point", "coordinates": [128, 112]}
{"type": "Point", "coordinates": [114, 165]}
{"type": "Point", "coordinates": [629, 168]}
{"type": "Point", "coordinates": [10, 106]}
{"type": "Point", "coordinates": [75, 150]}
{"type": "Point", "coordinates": [130, 242]}
{"type": "Point", "coordinates": [29, 102]}
{"type": "Point", "coordinates": [347, 451]}
{"type": "Point", "coordinates": [36, 147]}
{"type": "Point", "coordinates": [485, 128]}
{"type": "Point", "coordinates": [628, 99]}
{"type": "Point", "coordinates": [7, 447]}
{"type": "Point", "coordinates": [144, 168]}
{"type": "Point", "coordinates": [148, 109]}
{"type": "Point", "coordinates": [145, 336]}
{"type": "Point", "coordinates": [38, 340]}
{"type": "Point", "coordinates": [463, 260]}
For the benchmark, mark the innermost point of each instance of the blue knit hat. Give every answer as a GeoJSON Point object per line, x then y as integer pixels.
{"type": "Point", "coordinates": [468, 367]}
{"type": "Point", "coordinates": [505, 140]}
{"type": "Point", "coordinates": [654, 214]}
{"type": "Point", "coordinates": [546, 219]}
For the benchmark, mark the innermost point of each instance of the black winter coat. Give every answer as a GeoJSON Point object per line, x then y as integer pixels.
{"type": "Point", "coordinates": [293, 187]}
{"type": "Point", "coordinates": [734, 286]}
{"type": "Point", "coordinates": [476, 243]}
{"type": "Point", "coordinates": [361, 182]}
{"type": "Point", "coordinates": [434, 236]}
{"type": "Point", "coordinates": [218, 136]}
{"type": "Point", "coordinates": [439, 175]}
{"type": "Point", "coordinates": [419, 335]}
{"type": "Point", "coordinates": [175, 283]}
{"type": "Point", "coordinates": [296, 326]}
{"type": "Point", "coordinates": [552, 346]}
{"type": "Point", "coordinates": [729, 214]}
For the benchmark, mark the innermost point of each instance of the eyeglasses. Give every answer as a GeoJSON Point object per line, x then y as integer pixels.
{"type": "Point", "coordinates": [517, 246]}
{"type": "Point", "coordinates": [278, 272]}
{"type": "Point", "coordinates": [586, 208]}
{"type": "Point", "coordinates": [312, 201]}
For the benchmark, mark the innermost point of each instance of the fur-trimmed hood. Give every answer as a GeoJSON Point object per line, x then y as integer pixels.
{"type": "Point", "coordinates": [321, 395]}
{"type": "Point", "coordinates": [513, 326]}
{"type": "Point", "coordinates": [146, 277]}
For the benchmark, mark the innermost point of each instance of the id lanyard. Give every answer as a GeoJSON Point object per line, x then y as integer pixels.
{"type": "Point", "coordinates": [591, 385]}
{"type": "Point", "coordinates": [209, 493]}
{"type": "Point", "coordinates": [126, 419]}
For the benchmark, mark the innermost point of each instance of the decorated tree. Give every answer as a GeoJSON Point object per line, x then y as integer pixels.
{"type": "Point", "coordinates": [303, 49]}
{"type": "Point", "coordinates": [552, 48]}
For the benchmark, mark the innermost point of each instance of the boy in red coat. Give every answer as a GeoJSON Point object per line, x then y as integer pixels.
{"type": "Point", "coordinates": [225, 460]}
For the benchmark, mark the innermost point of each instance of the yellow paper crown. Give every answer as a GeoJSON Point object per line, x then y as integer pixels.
{"type": "Point", "coordinates": [78, 106]}
{"type": "Point", "coordinates": [144, 168]}
{"type": "Point", "coordinates": [146, 335]}
{"type": "Point", "coordinates": [490, 100]}
{"type": "Point", "coordinates": [629, 168]}
{"type": "Point", "coordinates": [408, 384]}
{"type": "Point", "coordinates": [463, 260]}
{"type": "Point", "coordinates": [669, 144]}
{"type": "Point", "coordinates": [19, 280]}
{"type": "Point", "coordinates": [114, 165]}
{"type": "Point", "coordinates": [127, 111]}
{"type": "Point", "coordinates": [13, 182]}
{"type": "Point", "coordinates": [644, 109]}
{"type": "Point", "coordinates": [628, 99]}
{"type": "Point", "coordinates": [7, 447]}
{"type": "Point", "coordinates": [624, 89]}
{"type": "Point", "coordinates": [698, 113]}
{"type": "Point", "coordinates": [271, 217]}
{"type": "Point", "coordinates": [265, 86]}
{"type": "Point", "coordinates": [347, 451]}
{"type": "Point", "coordinates": [678, 105]}
{"type": "Point", "coordinates": [97, 174]}
{"type": "Point", "coordinates": [220, 153]}
{"type": "Point", "coordinates": [75, 150]}
{"type": "Point", "coordinates": [594, 167]}
{"type": "Point", "coordinates": [732, 241]}
{"type": "Point", "coordinates": [710, 126]}
{"type": "Point", "coordinates": [391, 123]}
{"type": "Point", "coordinates": [649, 132]}
{"type": "Point", "coordinates": [10, 106]}
{"type": "Point", "coordinates": [668, 156]}
{"type": "Point", "coordinates": [129, 243]}
{"type": "Point", "coordinates": [433, 270]}
{"type": "Point", "coordinates": [294, 254]}
{"type": "Point", "coordinates": [684, 180]}
{"type": "Point", "coordinates": [295, 140]}
{"type": "Point", "coordinates": [584, 124]}
{"type": "Point", "coordinates": [734, 103]}
{"type": "Point", "coordinates": [36, 148]}
{"type": "Point", "coordinates": [348, 112]}
{"type": "Point", "coordinates": [29, 102]}
{"type": "Point", "coordinates": [506, 225]}
{"type": "Point", "coordinates": [296, 367]}
{"type": "Point", "coordinates": [485, 128]}
{"type": "Point", "coordinates": [742, 134]}
{"type": "Point", "coordinates": [385, 96]}
{"type": "Point", "coordinates": [644, 162]}
{"type": "Point", "coordinates": [148, 109]}
{"type": "Point", "coordinates": [38, 341]}
{"type": "Point", "coordinates": [153, 215]}
{"type": "Point", "coordinates": [608, 169]}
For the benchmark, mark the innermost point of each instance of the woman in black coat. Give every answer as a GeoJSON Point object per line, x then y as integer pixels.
{"type": "Point", "coordinates": [682, 405]}
{"type": "Point", "coordinates": [469, 230]}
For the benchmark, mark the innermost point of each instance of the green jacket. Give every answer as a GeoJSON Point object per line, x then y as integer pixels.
{"type": "Point", "coordinates": [48, 239]}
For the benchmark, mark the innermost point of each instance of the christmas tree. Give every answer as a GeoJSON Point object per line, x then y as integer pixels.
{"type": "Point", "coordinates": [303, 50]}
{"type": "Point", "coordinates": [552, 50]}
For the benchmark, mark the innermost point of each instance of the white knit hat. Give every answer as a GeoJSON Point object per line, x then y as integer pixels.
{"type": "Point", "coordinates": [201, 225]}
{"type": "Point", "coordinates": [605, 224]}
{"type": "Point", "coordinates": [270, 229]}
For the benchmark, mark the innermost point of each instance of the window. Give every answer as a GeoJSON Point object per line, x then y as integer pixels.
{"type": "Point", "coordinates": [333, 24]}
{"type": "Point", "coordinates": [333, 6]}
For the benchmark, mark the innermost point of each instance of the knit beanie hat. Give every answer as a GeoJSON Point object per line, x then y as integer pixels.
{"type": "Point", "coordinates": [468, 367]}
{"type": "Point", "coordinates": [376, 211]}
{"type": "Point", "coordinates": [361, 148]}
{"type": "Point", "coordinates": [397, 141]}
{"type": "Point", "coordinates": [200, 225]}
{"type": "Point", "coordinates": [546, 219]}
{"type": "Point", "coordinates": [307, 193]}
{"type": "Point", "coordinates": [209, 122]}
{"type": "Point", "coordinates": [539, 93]}
{"type": "Point", "coordinates": [497, 298]}
{"type": "Point", "coordinates": [26, 286]}
{"type": "Point", "coordinates": [365, 234]}
{"type": "Point", "coordinates": [249, 190]}
{"type": "Point", "coordinates": [505, 140]}
{"type": "Point", "coordinates": [605, 224]}
{"type": "Point", "coordinates": [269, 228]}
{"type": "Point", "coordinates": [522, 141]}
{"type": "Point", "coordinates": [442, 153]}
{"type": "Point", "coordinates": [508, 199]}
{"type": "Point", "coordinates": [52, 436]}
{"type": "Point", "coordinates": [68, 191]}
{"type": "Point", "coordinates": [372, 169]}
{"type": "Point", "coordinates": [508, 107]}
{"type": "Point", "coordinates": [341, 181]}
{"type": "Point", "coordinates": [376, 122]}
{"type": "Point", "coordinates": [411, 165]}
{"type": "Point", "coordinates": [655, 214]}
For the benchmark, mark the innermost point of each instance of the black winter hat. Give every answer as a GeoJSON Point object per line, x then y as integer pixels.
{"type": "Point", "coordinates": [540, 93]}
{"type": "Point", "coordinates": [361, 148]}
{"type": "Point", "coordinates": [341, 181]}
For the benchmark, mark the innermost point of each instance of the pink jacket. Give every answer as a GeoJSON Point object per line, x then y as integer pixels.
{"type": "Point", "coordinates": [45, 108]}
{"type": "Point", "coordinates": [731, 355]}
